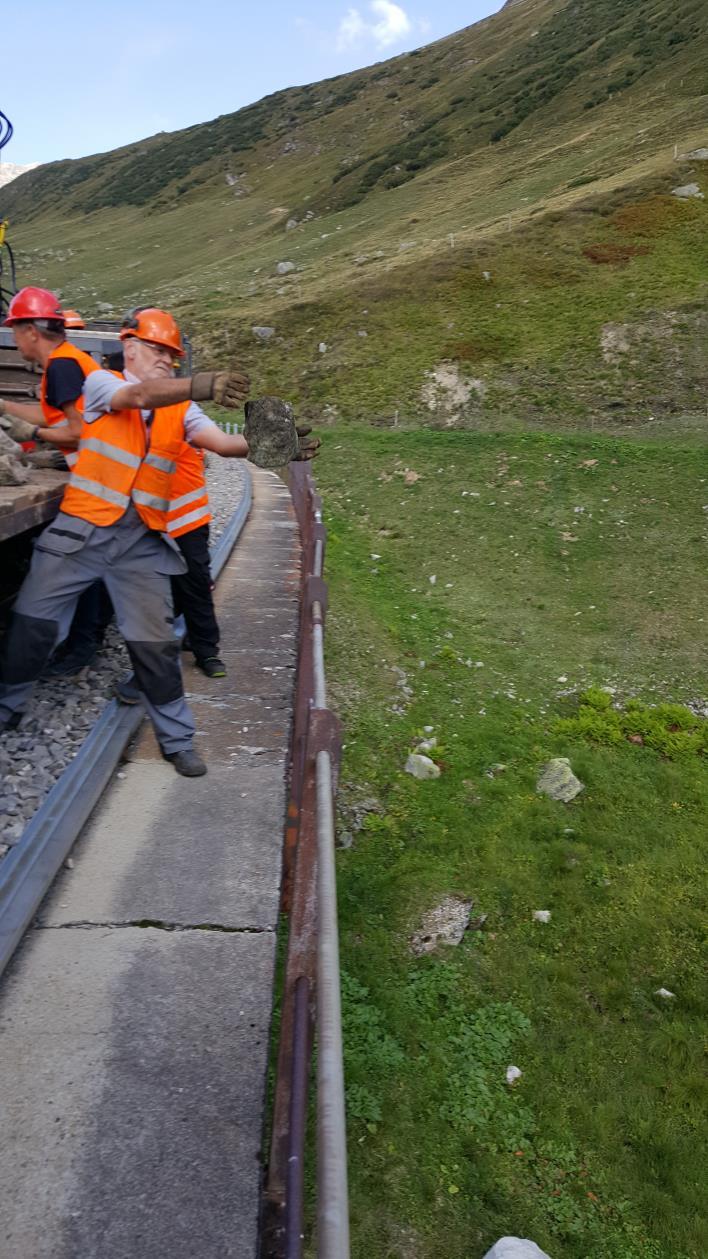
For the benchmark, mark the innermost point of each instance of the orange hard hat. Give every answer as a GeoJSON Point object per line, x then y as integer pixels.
{"type": "Point", "coordinates": [147, 323]}
{"type": "Point", "coordinates": [33, 303]}
{"type": "Point", "coordinates": [72, 319]}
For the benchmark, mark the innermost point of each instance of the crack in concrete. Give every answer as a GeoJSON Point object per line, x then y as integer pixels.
{"type": "Point", "coordinates": [156, 924]}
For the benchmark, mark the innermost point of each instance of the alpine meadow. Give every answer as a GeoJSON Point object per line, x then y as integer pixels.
{"type": "Point", "coordinates": [480, 271]}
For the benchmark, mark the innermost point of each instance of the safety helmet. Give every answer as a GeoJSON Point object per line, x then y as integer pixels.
{"type": "Point", "coordinates": [33, 303]}
{"type": "Point", "coordinates": [72, 319]}
{"type": "Point", "coordinates": [147, 323]}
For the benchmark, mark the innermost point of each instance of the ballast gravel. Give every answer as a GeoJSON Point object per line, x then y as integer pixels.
{"type": "Point", "coordinates": [63, 710]}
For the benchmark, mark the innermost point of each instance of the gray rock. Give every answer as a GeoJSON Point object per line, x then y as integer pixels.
{"type": "Point", "coordinates": [686, 191]}
{"type": "Point", "coordinates": [696, 155]}
{"type": "Point", "coordinates": [558, 781]}
{"type": "Point", "coordinates": [446, 923]}
{"type": "Point", "coordinates": [284, 268]}
{"type": "Point", "coordinates": [515, 1248]}
{"type": "Point", "coordinates": [421, 766]}
{"type": "Point", "coordinates": [263, 333]}
{"type": "Point", "coordinates": [270, 432]}
{"type": "Point", "coordinates": [291, 223]}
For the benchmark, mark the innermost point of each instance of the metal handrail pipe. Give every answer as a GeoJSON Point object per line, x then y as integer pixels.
{"type": "Point", "coordinates": [319, 558]}
{"type": "Point", "coordinates": [332, 1194]}
{"type": "Point", "coordinates": [318, 669]}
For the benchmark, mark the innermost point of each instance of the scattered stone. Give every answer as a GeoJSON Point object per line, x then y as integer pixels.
{"type": "Point", "coordinates": [322, 347]}
{"type": "Point", "coordinates": [513, 1074]}
{"type": "Point", "coordinates": [494, 771]}
{"type": "Point", "coordinates": [427, 745]}
{"type": "Point", "coordinates": [345, 839]}
{"type": "Point", "coordinates": [686, 191]}
{"type": "Point", "coordinates": [69, 863]}
{"type": "Point", "coordinates": [696, 155]}
{"type": "Point", "coordinates": [284, 268]}
{"type": "Point", "coordinates": [291, 223]}
{"type": "Point", "coordinates": [446, 924]}
{"type": "Point", "coordinates": [421, 766]}
{"type": "Point", "coordinates": [515, 1248]}
{"type": "Point", "coordinates": [410, 477]}
{"type": "Point", "coordinates": [665, 994]}
{"type": "Point", "coordinates": [542, 915]}
{"type": "Point", "coordinates": [558, 781]}
{"type": "Point", "coordinates": [263, 333]}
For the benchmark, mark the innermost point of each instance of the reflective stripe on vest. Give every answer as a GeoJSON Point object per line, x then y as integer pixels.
{"type": "Point", "coordinates": [189, 508]}
{"type": "Point", "coordinates": [54, 416]}
{"type": "Point", "coordinates": [115, 465]}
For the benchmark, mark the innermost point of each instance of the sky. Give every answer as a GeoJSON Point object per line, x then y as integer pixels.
{"type": "Point", "coordinates": [88, 78]}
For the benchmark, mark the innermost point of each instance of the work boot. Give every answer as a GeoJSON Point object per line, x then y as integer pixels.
{"type": "Point", "coordinates": [187, 763]}
{"type": "Point", "coordinates": [126, 690]}
{"type": "Point", "coordinates": [212, 667]}
{"type": "Point", "coordinates": [11, 722]}
{"type": "Point", "coordinates": [67, 663]}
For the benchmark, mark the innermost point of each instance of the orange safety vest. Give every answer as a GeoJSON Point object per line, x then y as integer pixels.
{"type": "Point", "coordinates": [54, 416]}
{"type": "Point", "coordinates": [117, 466]}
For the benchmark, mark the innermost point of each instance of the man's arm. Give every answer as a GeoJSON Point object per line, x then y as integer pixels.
{"type": "Point", "coordinates": [229, 389]}
{"type": "Point", "coordinates": [230, 445]}
{"type": "Point", "coordinates": [30, 427]}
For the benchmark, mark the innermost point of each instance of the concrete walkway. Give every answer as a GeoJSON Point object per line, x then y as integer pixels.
{"type": "Point", "coordinates": [134, 1021]}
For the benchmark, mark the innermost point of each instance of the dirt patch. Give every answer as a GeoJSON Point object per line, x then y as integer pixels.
{"type": "Point", "coordinates": [613, 255]}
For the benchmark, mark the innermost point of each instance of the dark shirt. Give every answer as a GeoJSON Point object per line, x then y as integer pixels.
{"type": "Point", "coordinates": [65, 382]}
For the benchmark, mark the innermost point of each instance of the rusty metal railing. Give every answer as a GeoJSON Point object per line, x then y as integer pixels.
{"type": "Point", "coordinates": [310, 992]}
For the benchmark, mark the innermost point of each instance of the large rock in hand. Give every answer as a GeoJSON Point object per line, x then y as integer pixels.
{"type": "Point", "coordinates": [270, 432]}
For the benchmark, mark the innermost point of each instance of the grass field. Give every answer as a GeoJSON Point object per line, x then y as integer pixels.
{"type": "Point", "coordinates": [560, 564]}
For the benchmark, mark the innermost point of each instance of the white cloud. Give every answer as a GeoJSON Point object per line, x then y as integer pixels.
{"type": "Point", "coordinates": [388, 24]}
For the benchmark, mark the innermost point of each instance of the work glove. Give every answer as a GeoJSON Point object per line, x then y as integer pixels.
{"type": "Point", "coordinates": [19, 430]}
{"type": "Point", "coordinates": [228, 389]}
{"type": "Point", "coordinates": [47, 458]}
{"type": "Point", "coordinates": [308, 447]}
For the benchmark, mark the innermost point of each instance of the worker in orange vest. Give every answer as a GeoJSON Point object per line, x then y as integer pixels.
{"type": "Point", "coordinates": [188, 523]}
{"type": "Point", "coordinates": [113, 524]}
{"type": "Point", "coordinates": [39, 326]}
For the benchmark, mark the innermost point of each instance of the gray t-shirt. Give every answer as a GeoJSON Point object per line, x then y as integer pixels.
{"type": "Point", "coordinates": [99, 388]}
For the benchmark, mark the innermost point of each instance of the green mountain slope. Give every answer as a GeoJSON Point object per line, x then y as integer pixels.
{"type": "Point", "coordinates": [471, 197]}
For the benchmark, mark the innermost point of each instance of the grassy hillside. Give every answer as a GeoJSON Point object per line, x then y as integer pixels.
{"type": "Point", "coordinates": [496, 203]}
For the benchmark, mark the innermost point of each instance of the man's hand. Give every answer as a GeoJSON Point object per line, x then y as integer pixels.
{"type": "Point", "coordinates": [47, 458]}
{"type": "Point", "coordinates": [19, 430]}
{"type": "Point", "coordinates": [228, 389]}
{"type": "Point", "coordinates": [307, 447]}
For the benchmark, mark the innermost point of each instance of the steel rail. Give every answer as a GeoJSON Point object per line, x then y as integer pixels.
{"type": "Point", "coordinates": [28, 870]}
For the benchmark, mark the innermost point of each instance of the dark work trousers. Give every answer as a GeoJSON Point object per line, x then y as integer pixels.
{"type": "Point", "coordinates": [192, 594]}
{"type": "Point", "coordinates": [136, 565]}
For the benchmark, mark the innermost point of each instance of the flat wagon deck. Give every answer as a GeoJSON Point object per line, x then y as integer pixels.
{"type": "Point", "coordinates": [24, 507]}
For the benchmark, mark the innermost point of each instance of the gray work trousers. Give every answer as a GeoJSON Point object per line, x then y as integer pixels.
{"type": "Point", "coordinates": [136, 565]}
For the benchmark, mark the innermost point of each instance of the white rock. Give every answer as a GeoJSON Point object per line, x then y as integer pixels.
{"type": "Point", "coordinates": [432, 579]}
{"type": "Point", "coordinates": [427, 745]}
{"type": "Point", "coordinates": [542, 915]}
{"type": "Point", "coordinates": [291, 223]}
{"type": "Point", "coordinates": [322, 347]}
{"type": "Point", "coordinates": [421, 766]}
{"type": "Point", "coordinates": [558, 781]}
{"type": "Point", "coordinates": [263, 334]}
{"type": "Point", "coordinates": [445, 923]}
{"type": "Point", "coordinates": [665, 994]}
{"type": "Point", "coordinates": [515, 1248]}
{"type": "Point", "coordinates": [686, 191]}
{"type": "Point", "coordinates": [284, 268]}
{"type": "Point", "coordinates": [513, 1074]}
{"type": "Point", "coordinates": [427, 729]}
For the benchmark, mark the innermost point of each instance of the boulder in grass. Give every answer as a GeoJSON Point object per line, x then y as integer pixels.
{"type": "Point", "coordinates": [445, 923]}
{"type": "Point", "coordinates": [515, 1248]}
{"type": "Point", "coordinates": [270, 432]}
{"type": "Point", "coordinates": [558, 780]}
{"type": "Point", "coordinates": [421, 766]}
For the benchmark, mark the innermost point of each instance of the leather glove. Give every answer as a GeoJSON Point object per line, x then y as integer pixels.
{"type": "Point", "coordinates": [47, 458]}
{"type": "Point", "coordinates": [307, 447]}
{"type": "Point", "coordinates": [19, 430]}
{"type": "Point", "coordinates": [228, 389]}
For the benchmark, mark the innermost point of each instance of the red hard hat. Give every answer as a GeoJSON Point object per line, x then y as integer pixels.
{"type": "Point", "coordinates": [151, 324]}
{"type": "Point", "coordinates": [32, 303]}
{"type": "Point", "coordinates": [72, 319]}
